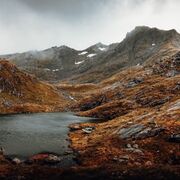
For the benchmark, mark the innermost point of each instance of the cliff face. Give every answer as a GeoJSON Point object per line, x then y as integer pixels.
{"type": "Point", "coordinates": [21, 92]}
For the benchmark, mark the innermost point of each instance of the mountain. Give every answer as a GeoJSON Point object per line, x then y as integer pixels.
{"type": "Point", "coordinates": [21, 92]}
{"type": "Point", "coordinates": [140, 47]}
{"type": "Point", "coordinates": [131, 88]}
{"type": "Point", "coordinates": [55, 63]}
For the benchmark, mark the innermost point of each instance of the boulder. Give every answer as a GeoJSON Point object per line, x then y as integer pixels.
{"type": "Point", "coordinates": [129, 132]}
{"type": "Point", "coordinates": [75, 127]}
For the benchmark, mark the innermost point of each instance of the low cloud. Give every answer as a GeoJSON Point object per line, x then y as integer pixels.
{"type": "Point", "coordinates": [39, 24]}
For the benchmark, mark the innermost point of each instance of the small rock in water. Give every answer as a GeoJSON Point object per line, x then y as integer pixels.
{"type": "Point", "coordinates": [16, 161]}
{"type": "Point", "coordinates": [88, 130]}
{"type": "Point", "coordinates": [53, 158]}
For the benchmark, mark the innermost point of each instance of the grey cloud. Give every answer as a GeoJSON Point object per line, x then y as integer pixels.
{"type": "Point", "coordinates": [39, 24]}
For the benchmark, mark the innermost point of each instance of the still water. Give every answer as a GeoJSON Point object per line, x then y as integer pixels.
{"type": "Point", "coordinates": [27, 134]}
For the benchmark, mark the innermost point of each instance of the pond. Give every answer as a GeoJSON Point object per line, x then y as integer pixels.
{"type": "Point", "coordinates": [24, 135]}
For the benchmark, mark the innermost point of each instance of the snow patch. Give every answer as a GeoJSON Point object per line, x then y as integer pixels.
{"type": "Point", "coordinates": [55, 70]}
{"type": "Point", "coordinates": [102, 49]}
{"type": "Point", "coordinates": [153, 44]}
{"type": "Point", "coordinates": [79, 62]}
{"type": "Point", "coordinates": [83, 53]}
{"type": "Point", "coordinates": [91, 55]}
{"type": "Point", "coordinates": [46, 69]}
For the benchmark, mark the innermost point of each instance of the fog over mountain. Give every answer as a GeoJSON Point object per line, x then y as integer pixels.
{"type": "Point", "coordinates": [39, 24]}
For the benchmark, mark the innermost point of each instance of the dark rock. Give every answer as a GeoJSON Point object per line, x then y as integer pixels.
{"type": "Point", "coordinates": [75, 127]}
{"type": "Point", "coordinates": [16, 161]}
{"type": "Point", "coordinates": [157, 102]}
{"type": "Point", "coordinates": [2, 151]}
{"type": "Point", "coordinates": [53, 159]}
{"type": "Point", "coordinates": [121, 159]}
{"type": "Point", "coordinates": [90, 105]}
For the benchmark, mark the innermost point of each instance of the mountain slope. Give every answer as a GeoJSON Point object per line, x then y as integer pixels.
{"type": "Point", "coordinates": [139, 111]}
{"type": "Point", "coordinates": [21, 92]}
{"type": "Point", "coordinates": [56, 63]}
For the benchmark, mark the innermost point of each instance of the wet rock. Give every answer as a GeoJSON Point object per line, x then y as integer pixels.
{"type": "Point", "coordinates": [53, 159]}
{"type": "Point", "coordinates": [129, 132]}
{"type": "Point", "coordinates": [68, 152]}
{"type": "Point", "coordinates": [45, 159]}
{"type": "Point", "coordinates": [91, 105]}
{"type": "Point", "coordinates": [174, 138]}
{"type": "Point", "coordinates": [16, 161]}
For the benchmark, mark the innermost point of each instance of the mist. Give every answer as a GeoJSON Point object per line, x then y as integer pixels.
{"type": "Point", "coordinates": [39, 24]}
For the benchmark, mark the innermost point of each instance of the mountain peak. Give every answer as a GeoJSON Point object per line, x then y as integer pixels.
{"type": "Point", "coordinates": [148, 30]}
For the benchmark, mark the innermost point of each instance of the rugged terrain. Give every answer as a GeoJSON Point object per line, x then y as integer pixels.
{"type": "Point", "coordinates": [133, 89]}
{"type": "Point", "coordinates": [23, 93]}
{"type": "Point", "coordinates": [139, 112]}
{"type": "Point", "coordinates": [98, 62]}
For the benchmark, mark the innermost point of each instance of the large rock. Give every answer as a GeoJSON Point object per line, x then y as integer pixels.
{"type": "Point", "coordinates": [139, 131]}
{"type": "Point", "coordinates": [130, 131]}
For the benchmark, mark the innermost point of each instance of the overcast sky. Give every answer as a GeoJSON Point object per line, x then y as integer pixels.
{"type": "Point", "coordinates": [39, 24]}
